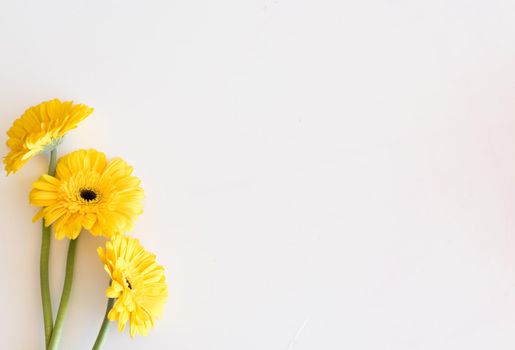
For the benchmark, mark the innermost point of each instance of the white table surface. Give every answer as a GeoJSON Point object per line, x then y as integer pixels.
{"type": "Point", "coordinates": [318, 174]}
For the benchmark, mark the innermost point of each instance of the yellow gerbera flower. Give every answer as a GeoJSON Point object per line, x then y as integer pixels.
{"type": "Point", "coordinates": [41, 128]}
{"type": "Point", "coordinates": [88, 192]}
{"type": "Point", "coordinates": [137, 283]}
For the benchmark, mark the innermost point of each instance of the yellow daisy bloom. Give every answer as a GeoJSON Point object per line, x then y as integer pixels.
{"type": "Point", "coordinates": [137, 283]}
{"type": "Point", "coordinates": [88, 192]}
{"type": "Point", "coordinates": [40, 129]}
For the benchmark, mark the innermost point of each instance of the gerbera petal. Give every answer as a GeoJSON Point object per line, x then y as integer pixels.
{"type": "Point", "coordinates": [42, 198]}
{"type": "Point", "coordinates": [53, 213]}
{"type": "Point", "coordinates": [40, 214]}
{"type": "Point", "coordinates": [89, 220]}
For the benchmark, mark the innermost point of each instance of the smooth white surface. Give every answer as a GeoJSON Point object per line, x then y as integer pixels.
{"type": "Point", "coordinates": [318, 174]}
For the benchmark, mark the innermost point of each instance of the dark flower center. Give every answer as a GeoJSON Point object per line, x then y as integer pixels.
{"type": "Point", "coordinates": [88, 194]}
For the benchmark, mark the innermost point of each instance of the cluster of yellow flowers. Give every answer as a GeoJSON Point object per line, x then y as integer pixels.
{"type": "Point", "coordinates": [85, 191]}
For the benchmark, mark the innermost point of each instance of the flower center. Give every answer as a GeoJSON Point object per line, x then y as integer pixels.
{"type": "Point", "coordinates": [88, 194]}
{"type": "Point", "coordinates": [128, 283]}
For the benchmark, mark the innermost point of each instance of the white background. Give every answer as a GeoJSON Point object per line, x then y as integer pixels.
{"type": "Point", "coordinates": [319, 174]}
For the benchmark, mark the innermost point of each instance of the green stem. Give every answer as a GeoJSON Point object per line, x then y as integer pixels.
{"type": "Point", "coordinates": [53, 162]}
{"type": "Point", "coordinates": [103, 329]}
{"type": "Point", "coordinates": [65, 296]}
{"type": "Point", "coordinates": [43, 264]}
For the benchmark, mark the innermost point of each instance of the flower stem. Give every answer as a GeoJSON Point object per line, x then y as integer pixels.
{"type": "Point", "coordinates": [53, 162]}
{"type": "Point", "coordinates": [43, 264]}
{"type": "Point", "coordinates": [103, 329]}
{"type": "Point", "coordinates": [65, 296]}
